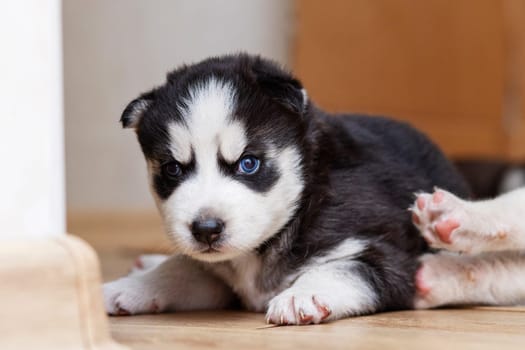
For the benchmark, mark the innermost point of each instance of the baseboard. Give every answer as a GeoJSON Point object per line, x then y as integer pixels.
{"type": "Point", "coordinates": [50, 296]}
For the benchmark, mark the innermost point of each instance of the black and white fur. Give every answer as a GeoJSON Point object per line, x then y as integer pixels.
{"type": "Point", "coordinates": [320, 232]}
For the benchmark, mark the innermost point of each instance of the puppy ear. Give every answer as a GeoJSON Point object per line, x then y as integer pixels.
{"type": "Point", "coordinates": [281, 87]}
{"type": "Point", "coordinates": [133, 112]}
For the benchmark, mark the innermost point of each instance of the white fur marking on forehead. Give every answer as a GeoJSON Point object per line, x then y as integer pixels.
{"type": "Point", "coordinates": [207, 113]}
{"type": "Point", "coordinates": [232, 142]}
{"type": "Point", "coordinates": [209, 107]}
{"type": "Point", "coordinates": [180, 142]}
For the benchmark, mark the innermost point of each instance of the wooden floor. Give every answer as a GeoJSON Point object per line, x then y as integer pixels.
{"type": "Point", "coordinates": [120, 238]}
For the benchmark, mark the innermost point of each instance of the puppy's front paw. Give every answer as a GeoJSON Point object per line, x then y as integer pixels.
{"type": "Point", "coordinates": [297, 308]}
{"type": "Point", "coordinates": [130, 296]}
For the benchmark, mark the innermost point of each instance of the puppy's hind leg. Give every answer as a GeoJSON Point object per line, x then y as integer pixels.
{"type": "Point", "coordinates": [496, 278]}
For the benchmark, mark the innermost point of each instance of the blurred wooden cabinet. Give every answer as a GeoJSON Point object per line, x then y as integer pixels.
{"type": "Point", "coordinates": [453, 68]}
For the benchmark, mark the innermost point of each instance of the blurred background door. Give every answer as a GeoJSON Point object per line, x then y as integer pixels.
{"type": "Point", "coordinates": [453, 68]}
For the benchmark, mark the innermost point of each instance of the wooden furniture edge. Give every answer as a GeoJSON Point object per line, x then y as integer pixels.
{"type": "Point", "coordinates": [50, 296]}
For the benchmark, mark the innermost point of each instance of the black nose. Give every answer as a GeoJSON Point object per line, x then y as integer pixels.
{"type": "Point", "coordinates": [207, 230]}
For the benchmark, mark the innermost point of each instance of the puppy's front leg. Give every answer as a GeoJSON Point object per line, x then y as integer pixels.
{"type": "Point", "coordinates": [177, 284]}
{"type": "Point", "coordinates": [324, 293]}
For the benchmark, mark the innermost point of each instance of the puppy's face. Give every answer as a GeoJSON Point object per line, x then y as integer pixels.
{"type": "Point", "coordinates": [223, 143]}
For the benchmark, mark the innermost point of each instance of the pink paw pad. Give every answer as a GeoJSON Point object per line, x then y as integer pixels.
{"type": "Point", "coordinates": [420, 202]}
{"type": "Point", "coordinates": [138, 263]}
{"type": "Point", "coordinates": [155, 307]}
{"type": "Point", "coordinates": [445, 228]}
{"type": "Point", "coordinates": [421, 286]}
{"type": "Point", "coordinates": [303, 318]}
{"type": "Point", "coordinates": [323, 309]}
{"type": "Point", "coordinates": [415, 219]}
{"type": "Point", "coordinates": [438, 196]}
{"type": "Point", "coordinates": [121, 311]}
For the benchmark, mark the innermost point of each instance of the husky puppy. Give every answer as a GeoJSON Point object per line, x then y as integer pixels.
{"type": "Point", "coordinates": [491, 236]}
{"type": "Point", "coordinates": [270, 201]}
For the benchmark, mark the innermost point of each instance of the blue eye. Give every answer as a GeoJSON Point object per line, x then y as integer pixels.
{"type": "Point", "coordinates": [248, 165]}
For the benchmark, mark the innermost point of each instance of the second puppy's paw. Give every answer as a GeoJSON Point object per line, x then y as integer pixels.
{"type": "Point", "coordinates": [454, 224]}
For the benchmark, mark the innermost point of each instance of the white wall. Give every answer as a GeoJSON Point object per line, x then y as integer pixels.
{"type": "Point", "coordinates": [116, 49]}
{"type": "Point", "coordinates": [31, 140]}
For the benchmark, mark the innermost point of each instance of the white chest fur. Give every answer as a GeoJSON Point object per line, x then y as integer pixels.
{"type": "Point", "coordinates": [242, 275]}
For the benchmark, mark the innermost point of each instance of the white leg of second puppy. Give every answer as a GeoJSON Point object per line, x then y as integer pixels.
{"type": "Point", "coordinates": [490, 278]}
{"type": "Point", "coordinates": [454, 224]}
